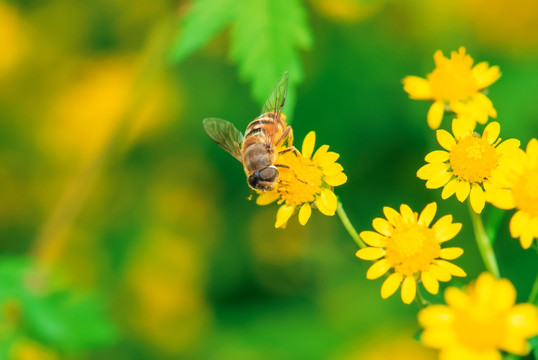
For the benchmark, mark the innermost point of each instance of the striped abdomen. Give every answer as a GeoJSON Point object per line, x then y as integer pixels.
{"type": "Point", "coordinates": [259, 141]}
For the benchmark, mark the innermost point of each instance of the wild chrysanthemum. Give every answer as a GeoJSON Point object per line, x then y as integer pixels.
{"type": "Point", "coordinates": [455, 85]}
{"type": "Point", "coordinates": [306, 181]}
{"type": "Point", "coordinates": [467, 165]}
{"type": "Point", "coordinates": [476, 324]}
{"type": "Point", "coordinates": [517, 187]}
{"type": "Point", "coordinates": [406, 243]}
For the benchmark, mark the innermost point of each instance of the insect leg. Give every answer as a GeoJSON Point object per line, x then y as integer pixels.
{"type": "Point", "coordinates": [287, 134]}
{"type": "Point", "coordinates": [293, 171]}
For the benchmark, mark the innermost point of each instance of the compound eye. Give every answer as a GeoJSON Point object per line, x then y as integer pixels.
{"type": "Point", "coordinates": [270, 173]}
{"type": "Point", "coordinates": [253, 180]}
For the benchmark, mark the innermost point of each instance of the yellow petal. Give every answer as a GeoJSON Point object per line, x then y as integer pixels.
{"type": "Point", "coordinates": [435, 315]}
{"type": "Point", "coordinates": [370, 253]}
{"type": "Point", "coordinates": [440, 273]}
{"type": "Point", "coordinates": [462, 190]}
{"type": "Point", "coordinates": [427, 215]}
{"type": "Point", "coordinates": [408, 216]}
{"type": "Point", "coordinates": [267, 198]}
{"type": "Point", "coordinates": [462, 128]}
{"type": "Point", "coordinates": [508, 146]}
{"type": "Point", "coordinates": [418, 88]}
{"type": "Point", "coordinates": [336, 180]}
{"type": "Point", "coordinates": [332, 169]}
{"type": "Point", "coordinates": [450, 253]}
{"type": "Point", "coordinates": [454, 270]}
{"type": "Point", "coordinates": [504, 297]}
{"type": "Point", "coordinates": [439, 180]}
{"type": "Point", "coordinates": [445, 139]}
{"type": "Point", "coordinates": [491, 132]}
{"type": "Point", "coordinates": [456, 298]}
{"type": "Point", "coordinates": [518, 223]}
{"type": "Point", "coordinates": [446, 233]}
{"type": "Point", "coordinates": [378, 269]}
{"type": "Point", "coordinates": [409, 289]}
{"type": "Point", "coordinates": [392, 215]}
{"type": "Point", "coordinates": [478, 199]}
{"type": "Point", "coordinates": [390, 285]}
{"type": "Point", "coordinates": [382, 226]}
{"type": "Point", "coordinates": [501, 198]}
{"type": "Point", "coordinates": [485, 103]}
{"type": "Point", "coordinates": [484, 75]}
{"type": "Point", "coordinates": [327, 159]}
{"type": "Point", "coordinates": [304, 213]}
{"type": "Point", "coordinates": [320, 153]}
{"type": "Point", "coordinates": [435, 114]}
{"type": "Point", "coordinates": [437, 156]}
{"type": "Point", "coordinates": [308, 144]}
{"type": "Point", "coordinates": [283, 215]}
{"type": "Point", "coordinates": [449, 189]}
{"type": "Point", "coordinates": [526, 240]}
{"type": "Point", "coordinates": [430, 170]}
{"type": "Point", "coordinates": [430, 282]}
{"type": "Point", "coordinates": [328, 202]}
{"type": "Point", "coordinates": [373, 239]}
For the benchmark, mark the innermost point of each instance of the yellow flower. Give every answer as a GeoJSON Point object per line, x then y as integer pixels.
{"type": "Point", "coordinates": [455, 85]}
{"type": "Point", "coordinates": [517, 187]}
{"type": "Point", "coordinates": [467, 165]}
{"type": "Point", "coordinates": [306, 181]}
{"type": "Point", "coordinates": [476, 324]}
{"type": "Point", "coordinates": [406, 243]}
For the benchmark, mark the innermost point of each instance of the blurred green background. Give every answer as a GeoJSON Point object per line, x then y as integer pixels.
{"type": "Point", "coordinates": [126, 233]}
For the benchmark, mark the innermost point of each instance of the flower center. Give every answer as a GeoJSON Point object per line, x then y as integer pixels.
{"type": "Point", "coordinates": [301, 182]}
{"type": "Point", "coordinates": [411, 248]}
{"type": "Point", "coordinates": [525, 192]}
{"type": "Point", "coordinates": [453, 80]}
{"type": "Point", "coordinates": [480, 327]}
{"type": "Point", "coordinates": [473, 159]}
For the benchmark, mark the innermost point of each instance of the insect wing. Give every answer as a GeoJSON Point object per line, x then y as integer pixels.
{"type": "Point", "coordinates": [225, 135]}
{"type": "Point", "coordinates": [276, 100]}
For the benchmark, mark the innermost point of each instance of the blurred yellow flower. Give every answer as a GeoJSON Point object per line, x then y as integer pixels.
{"type": "Point", "coordinates": [517, 187]}
{"type": "Point", "coordinates": [480, 322]}
{"type": "Point", "coordinates": [349, 11]}
{"type": "Point", "coordinates": [26, 349]}
{"type": "Point", "coordinates": [467, 165]}
{"type": "Point", "coordinates": [12, 37]}
{"type": "Point", "coordinates": [455, 85]}
{"type": "Point", "coordinates": [307, 183]}
{"type": "Point", "coordinates": [406, 243]}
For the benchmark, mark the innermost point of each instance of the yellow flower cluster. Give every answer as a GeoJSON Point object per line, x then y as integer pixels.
{"type": "Point", "coordinates": [482, 168]}
{"type": "Point", "coordinates": [480, 322]}
{"type": "Point", "coordinates": [306, 181]}
{"type": "Point", "coordinates": [405, 243]}
{"type": "Point", "coordinates": [455, 85]}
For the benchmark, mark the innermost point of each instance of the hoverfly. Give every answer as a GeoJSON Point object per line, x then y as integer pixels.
{"type": "Point", "coordinates": [257, 150]}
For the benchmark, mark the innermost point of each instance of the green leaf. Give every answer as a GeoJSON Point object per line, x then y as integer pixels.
{"type": "Point", "coordinates": [204, 20]}
{"type": "Point", "coordinates": [266, 38]}
{"type": "Point", "coordinates": [63, 318]}
{"type": "Point", "coordinates": [534, 345]}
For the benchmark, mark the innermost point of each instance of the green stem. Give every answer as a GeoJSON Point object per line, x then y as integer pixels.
{"type": "Point", "coordinates": [349, 227]}
{"type": "Point", "coordinates": [419, 299]}
{"type": "Point", "coordinates": [533, 297]}
{"type": "Point", "coordinates": [484, 244]}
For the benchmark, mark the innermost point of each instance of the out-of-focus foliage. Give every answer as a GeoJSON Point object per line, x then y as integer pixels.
{"type": "Point", "coordinates": [266, 36]}
{"type": "Point", "coordinates": [132, 219]}
{"type": "Point", "coordinates": [61, 319]}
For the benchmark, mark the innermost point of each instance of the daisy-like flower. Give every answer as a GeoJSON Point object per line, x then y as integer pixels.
{"type": "Point", "coordinates": [517, 187]}
{"type": "Point", "coordinates": [468, 162]}
{"type": "Point", "coordinates": [406, 243]}
{"type": "Point", "coordinates": [305, 182]}
{"type": "Point", "coordinates": [478, 323]}
{"type": "Point", "coordinates": [455, 85]}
